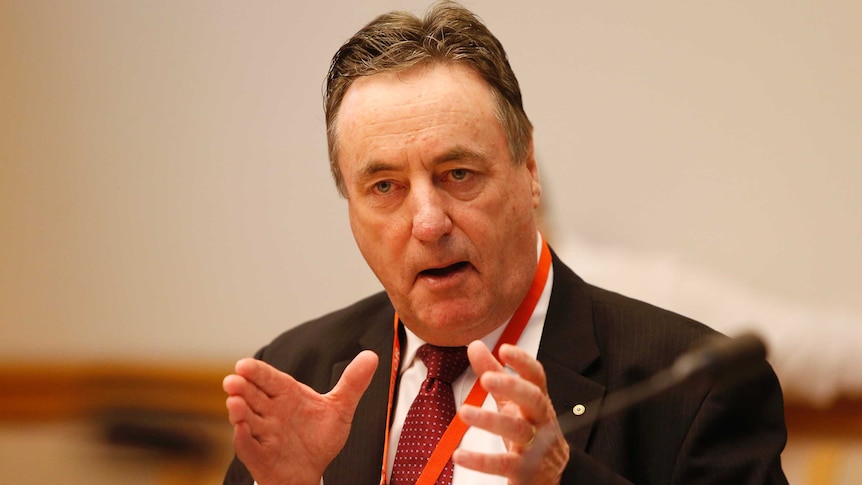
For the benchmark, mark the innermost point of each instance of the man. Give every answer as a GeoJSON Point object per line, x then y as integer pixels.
{"type": "Point", "coordinates": [429, 143]}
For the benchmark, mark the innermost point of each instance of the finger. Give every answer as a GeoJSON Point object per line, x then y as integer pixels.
{"type": "Point", "coordinates": [524, 364]}
{"type": "Point", "coordinates": [503, 464]}
{"type": "Point", "coordinates": [355, 380]}
{"type": "Point", "coordinates": [233, 384]}
{"type": "Point", "coordinates": [481, 359]}
{"type": "Point", "coordinates": [532, 401]}
{"type": "Point", "coordinates": [237, 410]}
{"type": "Point", "coordinates": [240, 412]}
{"type": "Point", "coordinates": [244, 443]}
{"type": "Point", "coordinates": [514, 429]}
{"type": "Point", "coordinates": [236, 385]}
{"type": "Point", "coordinates": [266, 377]}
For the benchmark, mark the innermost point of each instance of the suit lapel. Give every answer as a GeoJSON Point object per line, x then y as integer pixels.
{"type": "Point", "coordinates": [570, 354]}
{"type": "Point", "coordinates": [362, 456]}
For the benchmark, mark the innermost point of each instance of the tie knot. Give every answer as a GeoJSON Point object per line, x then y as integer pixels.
{"type": "Point", "coordinates": [444, 363]}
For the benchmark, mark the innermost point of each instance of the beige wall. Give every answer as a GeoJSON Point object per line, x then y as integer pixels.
{"type": "Point", "coordinates": [164, 191]}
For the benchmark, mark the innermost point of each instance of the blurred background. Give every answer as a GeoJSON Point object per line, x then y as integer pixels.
{"type": "Point", "coordinates": [166, 206]}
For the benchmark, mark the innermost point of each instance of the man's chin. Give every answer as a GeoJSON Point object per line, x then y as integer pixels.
{"type": "Point", "coordinates": [450, 325]}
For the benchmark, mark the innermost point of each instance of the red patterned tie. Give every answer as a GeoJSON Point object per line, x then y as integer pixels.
{"type": "Point", "coordinates": [429, 415]}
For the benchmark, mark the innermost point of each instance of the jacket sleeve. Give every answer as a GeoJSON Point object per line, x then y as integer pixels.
{"type": "Point", "coordinates": [737, 435]}
{"type": "Point", "coordinates": [237, 474]}
{"type": "Point", "coordinates": [583, 468]}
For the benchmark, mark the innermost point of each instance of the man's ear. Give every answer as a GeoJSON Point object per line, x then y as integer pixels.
{"type": "Point", "coordinates": [533, 169]}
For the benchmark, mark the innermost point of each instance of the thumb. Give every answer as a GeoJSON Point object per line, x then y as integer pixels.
{"type": "Point", "coordinates": [355, 380]}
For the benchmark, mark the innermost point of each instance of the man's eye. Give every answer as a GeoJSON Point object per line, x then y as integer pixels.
{"type": "Point", "coordinates": [383, 186]}
{"type": "Point", "coordinates": [459, 174]}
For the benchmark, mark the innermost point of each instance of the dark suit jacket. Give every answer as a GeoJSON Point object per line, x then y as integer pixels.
{"type": "Point", "coordinates": [594, 342]}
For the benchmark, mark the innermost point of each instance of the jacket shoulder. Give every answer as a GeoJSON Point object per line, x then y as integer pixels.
{"type": "Point", "coordinates": [629, 335]}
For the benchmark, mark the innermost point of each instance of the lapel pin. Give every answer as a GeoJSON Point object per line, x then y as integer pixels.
{"type": "Point", "coordinates": [579, 409]}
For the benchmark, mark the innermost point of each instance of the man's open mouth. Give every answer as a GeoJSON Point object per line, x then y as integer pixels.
{"type": "Point", "coordinates": [445, 271]}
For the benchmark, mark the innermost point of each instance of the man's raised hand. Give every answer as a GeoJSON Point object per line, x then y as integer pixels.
{"type": "Point", "coordinates": [284, 431]}
{"type": "Point", "coordinates": [524, 417]}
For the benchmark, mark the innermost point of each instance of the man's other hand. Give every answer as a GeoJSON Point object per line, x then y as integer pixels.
{"type": "Point", "coordinates": [284, 431]}
{"type": "Point", "coordinates": [523, 408]}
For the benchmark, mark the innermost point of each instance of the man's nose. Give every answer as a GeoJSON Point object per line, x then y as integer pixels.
{"type": "Point", "coordinates": [431, 219]}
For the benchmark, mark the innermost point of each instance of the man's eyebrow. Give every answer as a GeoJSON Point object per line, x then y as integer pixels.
{"type": "Point", "coordinates": [457, 154]}
{"type": "Point", "coordinates": [372, 168]}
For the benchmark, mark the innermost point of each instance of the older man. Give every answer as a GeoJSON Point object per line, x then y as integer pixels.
{"type": "Point", "coordinates": [429, 143]}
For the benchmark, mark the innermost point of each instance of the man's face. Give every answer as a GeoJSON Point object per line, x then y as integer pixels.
{"type": "Point", "coordinates": [438, 208]}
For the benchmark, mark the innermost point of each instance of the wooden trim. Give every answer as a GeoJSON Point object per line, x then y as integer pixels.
{"type": "Point", "coordinates": [66, 390]}
{"type": "Point", "coordinates": [841, 419]}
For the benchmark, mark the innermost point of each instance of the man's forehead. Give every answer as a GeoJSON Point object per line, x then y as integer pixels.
{"type": "Point", "coordinates": [445, 109]}
{"type": "Point", "coordinates": [418, 80]}
{"type": "Point", "coordinates": [391, 103]}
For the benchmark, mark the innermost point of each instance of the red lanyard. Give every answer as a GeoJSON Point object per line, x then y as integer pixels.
{"type": "Point", "coordinates": [452, 437]}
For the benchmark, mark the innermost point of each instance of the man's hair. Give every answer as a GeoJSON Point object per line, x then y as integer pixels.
{"type": "Point", "coordinates": [449, 34]}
